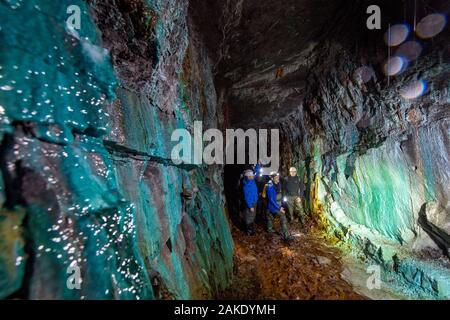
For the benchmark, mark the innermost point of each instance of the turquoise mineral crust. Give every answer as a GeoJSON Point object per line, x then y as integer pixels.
{"type": "Point", "coordinates": [67, 200]}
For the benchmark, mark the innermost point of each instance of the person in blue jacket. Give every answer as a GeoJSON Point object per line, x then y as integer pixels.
{"type": "Point", "coordinates": [250, 191]}
{"type": "Point", "coordinates": [274, 208]}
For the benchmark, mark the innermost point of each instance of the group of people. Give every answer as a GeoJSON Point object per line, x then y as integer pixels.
{"type": "Point", "coordinates": [272, 198]}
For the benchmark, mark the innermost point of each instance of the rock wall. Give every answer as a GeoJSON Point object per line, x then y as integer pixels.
{"type": "Point", "coordinates": [377, 162]}
{"type": "Point", "coordinates": [86, 177]}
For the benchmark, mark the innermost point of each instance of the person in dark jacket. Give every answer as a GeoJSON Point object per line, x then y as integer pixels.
{"type": "Point", "coordinates": [274, 206]}
{"type": "Point", "coordinates": [262, 204]}
{"type": "Point", "coordinates": [250, 191]}
{"type": "Point", "coordinates": [293, 191]}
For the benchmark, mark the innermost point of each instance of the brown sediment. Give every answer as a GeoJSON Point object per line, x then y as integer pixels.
{"type": "Point", "coordinates": [265, 267]}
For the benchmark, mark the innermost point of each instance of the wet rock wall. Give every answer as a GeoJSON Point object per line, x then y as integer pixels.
{"type": "Point", "coordinates": [87, 181]}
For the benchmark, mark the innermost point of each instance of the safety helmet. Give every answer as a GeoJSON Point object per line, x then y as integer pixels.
{"type": "Point", "coordinates": [248, 173]}
{"type": "Point", "coordinates": [274, 174]}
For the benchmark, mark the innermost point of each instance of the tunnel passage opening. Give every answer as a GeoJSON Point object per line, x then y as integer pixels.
{"type": "Point", "coordinates": [232, 174]}
{"type": "Point", "coordinates": [266, 157]}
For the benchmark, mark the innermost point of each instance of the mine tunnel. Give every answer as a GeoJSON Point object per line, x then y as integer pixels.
{"type": "Point", "coordinates": [97, 205]}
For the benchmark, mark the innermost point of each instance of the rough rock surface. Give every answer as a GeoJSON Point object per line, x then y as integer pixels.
{"type": "Point", "coordinates": [87, 179]}
{"type": "Point", "coordinates": [372, 159]}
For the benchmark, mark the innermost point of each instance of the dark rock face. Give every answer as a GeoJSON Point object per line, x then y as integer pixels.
{"type": "Point", "coordinates": [131, 40]}
{"type": "Point", "coordinates": [87, 179]}
{"type": "Point", "coordinates": [372, 155]}
{"type": "Point", "coordinates": [273, 50]}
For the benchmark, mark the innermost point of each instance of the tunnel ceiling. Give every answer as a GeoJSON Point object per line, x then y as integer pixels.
{"type": "Point", "coordinates": [268, 53]}
{"type": "Point", "coordinates": [253, 40]}
{"type": "Point", "coordinates": [87, 120]}
{"type": "Point", "coordinates": [268, 37]}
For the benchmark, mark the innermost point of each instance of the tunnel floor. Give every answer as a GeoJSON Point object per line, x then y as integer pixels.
{"type": "Point", "coordinates": [265, 267]}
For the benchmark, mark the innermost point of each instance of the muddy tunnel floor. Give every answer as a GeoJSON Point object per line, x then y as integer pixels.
{"type": "Point", "coordinates": [266, 267]}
